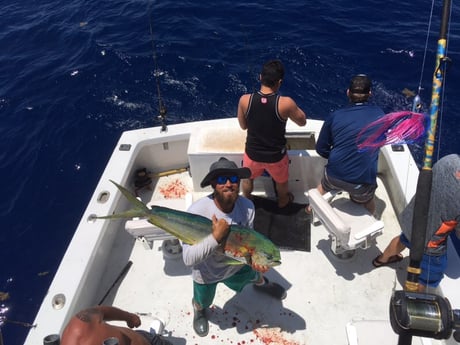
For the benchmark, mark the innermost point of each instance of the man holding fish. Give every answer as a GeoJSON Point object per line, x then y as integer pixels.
{"type": "Point", "coordinates": [209, 258]}
{"type": "Point", "coordinates": [218, 240]}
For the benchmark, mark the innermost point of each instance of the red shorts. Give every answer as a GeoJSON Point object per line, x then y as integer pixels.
{"type": "Point", "coordinates": [279, 171]}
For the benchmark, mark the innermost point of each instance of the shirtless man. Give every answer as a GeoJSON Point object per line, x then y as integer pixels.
{"type": "Point", "coordinates": [88, 327]}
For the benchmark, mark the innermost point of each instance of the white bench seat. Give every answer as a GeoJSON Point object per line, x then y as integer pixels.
{"type": "Point", "coordinates": [146, 232]}
{"type": "Point", "coordinates": [350, 225]}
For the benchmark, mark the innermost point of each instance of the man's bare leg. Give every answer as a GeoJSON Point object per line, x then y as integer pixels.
{"type": "Point", "coordinates": [321, 191]}
{"type": "Point", "coordinates": [370, 206]}
{"type": "Point", "coordinates": [247, 186]}
{"type": "Point", "coordinates": [391, 254]}
{"type": "Point", "coordinates": [282, 189]}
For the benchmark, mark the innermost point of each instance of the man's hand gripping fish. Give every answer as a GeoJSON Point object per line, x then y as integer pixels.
{"type": "Point", "coordinates": [242, 244]}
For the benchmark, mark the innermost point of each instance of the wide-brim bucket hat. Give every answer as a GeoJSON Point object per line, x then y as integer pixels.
{"type": "Point", "coordinates": [224, 167]}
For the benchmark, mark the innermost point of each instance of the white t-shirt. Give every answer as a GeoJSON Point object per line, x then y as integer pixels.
{"type": "Point", "coordinates": [209, 264]}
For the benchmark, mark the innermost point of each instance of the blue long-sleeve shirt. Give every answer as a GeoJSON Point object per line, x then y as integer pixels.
{"type": "Point", "coordinates": [337, 142]}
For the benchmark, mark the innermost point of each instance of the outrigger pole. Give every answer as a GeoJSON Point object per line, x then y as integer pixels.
{"type": "Point", "coordinates": [410, 311]}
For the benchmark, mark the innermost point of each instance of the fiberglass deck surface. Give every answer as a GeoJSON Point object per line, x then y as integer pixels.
{"type": "Point", "coordinates": [324, 294]}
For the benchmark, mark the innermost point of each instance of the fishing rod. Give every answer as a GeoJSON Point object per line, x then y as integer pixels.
{"type": "Point", "coordinates": [413, 313]}
{"type": "Point", "coordinates": [250, 55]}
{"type": "Point", "coordinates": [119, 277]}
{"type": "Point", "coordinates": [423, 192]}
{"type": "Point", "coordinates": [417, 102]}
{"type": "Point", "coordinates": [161, 106]}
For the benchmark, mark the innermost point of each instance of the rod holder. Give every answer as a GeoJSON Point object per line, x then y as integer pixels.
{"type": "Point", "coordinates": [52, 339]}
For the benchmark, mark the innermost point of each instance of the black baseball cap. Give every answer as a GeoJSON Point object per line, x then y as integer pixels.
{"type": "Point", "coordinates": [360, 84]}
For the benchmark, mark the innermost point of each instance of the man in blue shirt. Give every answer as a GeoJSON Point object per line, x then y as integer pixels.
{"type": "Point", "coordinates": [347, 168]}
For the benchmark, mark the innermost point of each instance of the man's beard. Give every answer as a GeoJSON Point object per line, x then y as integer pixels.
{"type": "Point", "coordinates": [226, 199]}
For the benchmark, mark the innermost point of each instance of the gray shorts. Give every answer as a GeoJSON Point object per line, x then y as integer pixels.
{"type": "Point", "coordinates": [359, 193]}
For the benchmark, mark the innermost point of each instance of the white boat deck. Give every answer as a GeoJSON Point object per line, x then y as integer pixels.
{"type": "Point", "coordinates": [324, 294]}
{"type": "Point", "coordinates": [329, 301]}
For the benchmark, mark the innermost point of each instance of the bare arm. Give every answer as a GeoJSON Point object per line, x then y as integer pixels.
{"type": "Point", "coordinates": [114, 314]}
{"type": "Point", "coordinates": [288, 109]}
{"type": "Point", "coordinates": [88, 326]}
{"type": "Point", "coordinates": [99, 314]}
{"type": "Point", "coordinates": [242, 109]}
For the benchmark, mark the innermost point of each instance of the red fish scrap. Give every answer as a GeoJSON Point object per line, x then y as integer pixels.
{"type": "Point", "coordinates": [174, 190]}
{"type": "Point", "coordinates": [272, 336]}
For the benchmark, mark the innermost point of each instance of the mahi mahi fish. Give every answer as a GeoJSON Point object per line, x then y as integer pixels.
{"type": "Point", "coordinates": [243, 245]}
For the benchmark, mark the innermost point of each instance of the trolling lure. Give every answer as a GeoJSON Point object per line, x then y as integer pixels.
{"type": "Point", "coordinates": [401, 127]}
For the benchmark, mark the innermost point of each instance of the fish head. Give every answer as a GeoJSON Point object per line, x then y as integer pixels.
{"type": "Point", "coordinates": [266, 258]}
{"type": "Point", "coordinates": [252, 248]}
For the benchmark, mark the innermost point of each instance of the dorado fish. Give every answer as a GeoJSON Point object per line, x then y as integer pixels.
{"type": "Point", "coordinates": [244, 245]}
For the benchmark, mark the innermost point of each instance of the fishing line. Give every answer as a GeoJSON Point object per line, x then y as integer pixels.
{"type": "Point", "coordinates": [249, 56]}
{"type": "Point", "coordinates": [425, 52]}
{"type": "Point", "coordinates": [25, 324]}
{"type": "Point", "coordinates": [417, 104]}
{"type": "Point", "coordinates": [156, 73]}
{"type": "Point", "coordinates": [446, 60]}
{"type": "Point", "coordinates": [4, 320]}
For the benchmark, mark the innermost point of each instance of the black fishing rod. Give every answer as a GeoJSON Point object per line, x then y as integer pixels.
{"type": "Point", "coordinates": [161, 106]}
{"type": "Point", "coordinates": [413, 313]}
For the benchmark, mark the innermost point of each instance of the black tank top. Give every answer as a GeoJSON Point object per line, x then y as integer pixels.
{"type": "Point", "coordinates": [265, 141]}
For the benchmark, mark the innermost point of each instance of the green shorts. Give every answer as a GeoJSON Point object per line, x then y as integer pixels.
{"type": "Point", "coordinates": [203, 294]}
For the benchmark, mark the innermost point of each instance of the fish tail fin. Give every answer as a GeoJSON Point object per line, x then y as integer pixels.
{"type": "Point", "coordinates": [139, 209]}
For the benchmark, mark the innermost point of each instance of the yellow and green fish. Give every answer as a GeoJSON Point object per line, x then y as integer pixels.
{"type": "Point", "coordinates": [244, 245]}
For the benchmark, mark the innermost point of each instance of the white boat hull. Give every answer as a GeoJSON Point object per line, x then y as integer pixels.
{"type": "Point", "coordinates": [329, 301]}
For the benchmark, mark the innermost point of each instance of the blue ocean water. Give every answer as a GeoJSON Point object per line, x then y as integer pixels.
{"type": "Point", "coordinates": [75, 74]}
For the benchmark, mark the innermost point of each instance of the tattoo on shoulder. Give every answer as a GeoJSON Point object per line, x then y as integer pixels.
{"type": "Point", "coordinates": [87, 314]}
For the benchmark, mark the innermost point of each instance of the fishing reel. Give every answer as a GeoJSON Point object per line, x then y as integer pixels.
{"type": "Point", "coordinates": [423, 315]}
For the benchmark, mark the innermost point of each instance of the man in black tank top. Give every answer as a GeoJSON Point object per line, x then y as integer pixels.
{"type": "Point", "coordinates": [264, 115]}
